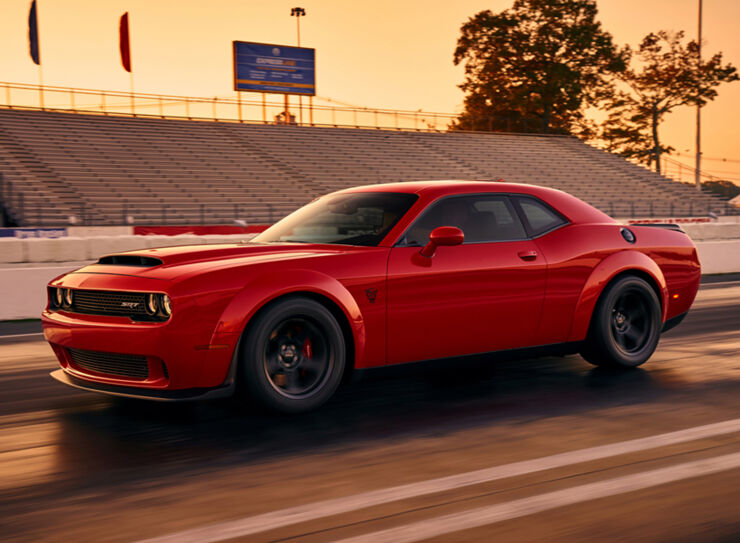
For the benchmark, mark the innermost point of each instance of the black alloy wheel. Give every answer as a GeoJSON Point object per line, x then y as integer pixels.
{"type": "Point", "coordinates": [293, 356]}
{"type": "Point", "coordinates": [296, 358]}
{"type": "Point", "coordinates": [625, 326]}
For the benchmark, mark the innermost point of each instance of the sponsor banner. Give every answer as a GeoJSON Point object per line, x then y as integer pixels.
{"type": "Point", "coordinates": [25, 233]}
{"type": "Point", "coordinates": [262, 67]}
{"type": "Point", "coordinates": [199, 230]}
{"type": "Point", "coordinates": [673, 220]}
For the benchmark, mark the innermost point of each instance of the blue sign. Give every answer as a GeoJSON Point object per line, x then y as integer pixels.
{"type": "Point", "coordinates": [24, 233]}
{"type": "Point", "coordinates": [261, 67]}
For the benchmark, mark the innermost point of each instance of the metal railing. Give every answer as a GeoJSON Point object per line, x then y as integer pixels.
{"type": "Point", "coordinates": [19, 211]}
{"type": "Point", "coordinates": [657, 209]}
{"type": "Point", "coordinates": [257, 108]}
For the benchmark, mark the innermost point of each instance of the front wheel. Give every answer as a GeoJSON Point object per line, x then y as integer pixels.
{"type": "Point", "coordinates": [625, 327]}
{"type": "Point", "coordinates": [293, 357]}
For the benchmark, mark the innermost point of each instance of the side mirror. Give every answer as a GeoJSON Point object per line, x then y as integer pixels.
{"type": "Point", "coordinates": [442, 236]}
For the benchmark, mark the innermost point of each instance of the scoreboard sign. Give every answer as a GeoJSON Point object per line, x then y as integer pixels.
{"type": "Point", "coordinates": [262, 67]}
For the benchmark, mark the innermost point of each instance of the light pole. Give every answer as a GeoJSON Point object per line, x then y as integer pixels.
{"type": "Point", "coordinates": [697, 170]}
{"type": "Point", "coordinates": [298, 13]}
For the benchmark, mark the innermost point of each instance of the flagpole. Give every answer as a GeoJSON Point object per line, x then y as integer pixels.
{"type": "Point", "coordinates": [131, 66]}
{"type": "Point", "coordinates": [41, 88]}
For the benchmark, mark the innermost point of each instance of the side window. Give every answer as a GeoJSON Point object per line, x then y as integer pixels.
{"type": "Point", "coordinates": [541, 217]}
{"type": "Point", "coordinates": [481, 217]}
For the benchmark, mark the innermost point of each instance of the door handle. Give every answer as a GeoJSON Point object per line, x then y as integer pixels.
{"type": "Point", "coordinates": [527, 255]}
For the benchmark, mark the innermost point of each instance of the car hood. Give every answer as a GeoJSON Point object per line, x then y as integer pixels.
{"type": "Point", "coordinates": [172, 262]}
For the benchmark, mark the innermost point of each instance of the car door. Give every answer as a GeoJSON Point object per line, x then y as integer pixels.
{"type": "Point", "coordinates": [484, 295]}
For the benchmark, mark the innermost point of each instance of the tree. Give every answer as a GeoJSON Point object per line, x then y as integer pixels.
{"type": "Point", "coordinates": [534, 67]}
{"type": "Point", "coordinates": [668, 74]}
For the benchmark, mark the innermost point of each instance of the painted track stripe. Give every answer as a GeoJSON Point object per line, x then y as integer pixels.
{"type": "Point", "coordinates": [336, 506]}
{"type": "Point", "coordinates": [483, 516]}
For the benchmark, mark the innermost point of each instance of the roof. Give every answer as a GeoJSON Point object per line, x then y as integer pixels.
{"type": "Point", "coordinates": [574, 209]}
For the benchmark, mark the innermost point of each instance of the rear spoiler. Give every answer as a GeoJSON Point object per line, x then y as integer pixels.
{"type": "Point", "coordinates": [666, 225]}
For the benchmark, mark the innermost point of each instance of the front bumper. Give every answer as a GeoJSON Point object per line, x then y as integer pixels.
{"type": "Point", "coordinates": [180, 355]}
{"type": "Point", "coordinates": [146, 394]}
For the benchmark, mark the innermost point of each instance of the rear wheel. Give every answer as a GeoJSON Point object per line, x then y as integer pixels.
{"type": "Point", "coordinates": [293, 357]}
{"type": "Point", "coordinates": [625, 327]}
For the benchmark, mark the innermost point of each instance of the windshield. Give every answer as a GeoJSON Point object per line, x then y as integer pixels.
{"type": "Point", "coordinates": [360, 218]}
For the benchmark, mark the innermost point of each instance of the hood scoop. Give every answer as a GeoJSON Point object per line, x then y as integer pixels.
{"type": "Point", "coordinates": [130, 260]}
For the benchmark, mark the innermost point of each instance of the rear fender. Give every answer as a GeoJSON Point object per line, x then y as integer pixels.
{"type": "Point", "coordinates": [263, 289]}
{"type": "Point", "coordinates": [602, 275]}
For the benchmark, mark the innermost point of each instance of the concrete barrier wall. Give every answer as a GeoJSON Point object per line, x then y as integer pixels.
{"type": "Point", "coordinates": [23, 290]}
{"type": "Point", "coordinates": [74, 249]}
{"type": "Point", "coordinates": [719, 256]}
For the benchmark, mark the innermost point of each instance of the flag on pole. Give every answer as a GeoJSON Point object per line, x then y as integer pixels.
{"type": "Point", "coordinates": [125, 43]}
{"type": "Point", "coordinates": [33, 35]}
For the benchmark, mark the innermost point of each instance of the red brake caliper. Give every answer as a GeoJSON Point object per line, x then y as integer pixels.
{"type": "Point", "coordinates": [307, 349]}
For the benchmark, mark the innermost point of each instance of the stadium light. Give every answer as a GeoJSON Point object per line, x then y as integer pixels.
{"type": "Point", "coordinates": [298, 13]}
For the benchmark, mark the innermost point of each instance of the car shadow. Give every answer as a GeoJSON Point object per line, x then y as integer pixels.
{"type": "Point", "coordinates": [106, 441]}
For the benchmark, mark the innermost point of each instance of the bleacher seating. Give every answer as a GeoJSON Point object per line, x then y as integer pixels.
{"type": "Point", "coordinates": [103, 169]}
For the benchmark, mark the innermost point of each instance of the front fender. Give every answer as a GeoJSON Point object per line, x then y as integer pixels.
{"type": "Point", "coordinates": [264, 288]}
{"type": "Point", "coordinates": [602, 274]}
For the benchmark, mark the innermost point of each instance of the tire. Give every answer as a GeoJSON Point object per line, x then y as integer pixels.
{"type": "Point", "coordinates": [625, 326]}
{"type": "Point", "coordinates": [293, 357]}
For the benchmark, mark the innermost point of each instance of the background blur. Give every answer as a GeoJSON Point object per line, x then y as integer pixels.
{"type": "Point", "coordinates": [381, 54]}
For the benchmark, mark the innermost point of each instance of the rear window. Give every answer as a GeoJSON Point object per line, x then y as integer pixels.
{"type": "Point", "coordinates": [539, 216]}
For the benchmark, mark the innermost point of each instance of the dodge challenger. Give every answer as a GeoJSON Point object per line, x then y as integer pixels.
{"type": "Point", "coordinates": [367, 277]}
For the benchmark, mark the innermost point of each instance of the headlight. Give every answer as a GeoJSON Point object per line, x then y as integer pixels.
{"type": "Point", "coordinates": [58, 297]}
{"type": "Point", "coordinates": [166, 305]}
{"type": "Point", "coordinates": [151, 304]}
{"type": "Point", "coordinates": [68, 296]}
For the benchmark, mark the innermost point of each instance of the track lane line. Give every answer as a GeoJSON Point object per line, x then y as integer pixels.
{"type": "Point", "coordinates": [335, 506]}
{"type": "Point", "coordinates": [484, 516]}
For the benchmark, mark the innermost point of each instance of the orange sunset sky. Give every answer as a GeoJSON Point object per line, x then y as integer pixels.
{"type": "Point", "coordinates": [385, 54]}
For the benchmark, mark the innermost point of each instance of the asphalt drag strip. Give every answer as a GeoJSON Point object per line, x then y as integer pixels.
{"type": "Point", "coordinates": [295, 515]}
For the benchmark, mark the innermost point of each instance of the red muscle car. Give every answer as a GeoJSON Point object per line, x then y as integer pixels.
{"type": "Point", "coordinates": [367, 277]}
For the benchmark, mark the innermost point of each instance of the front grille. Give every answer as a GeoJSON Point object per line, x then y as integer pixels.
{"type": "Point", "coordinates": [124, 365]}
{"type": "Point", "coordinates": [102, 302]}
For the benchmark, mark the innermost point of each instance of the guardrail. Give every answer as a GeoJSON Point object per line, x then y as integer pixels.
{"type": "Point", "coordinates": [19, 211]}
{"type": "Point", "coordinates": [303, 112]}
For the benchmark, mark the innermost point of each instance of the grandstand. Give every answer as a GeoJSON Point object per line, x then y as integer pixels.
{"type": "Point", "coordinates": [110, 170]}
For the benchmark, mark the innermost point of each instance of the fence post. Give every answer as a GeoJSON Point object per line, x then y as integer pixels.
{"type": "Point", "coordinates": [102, 103]}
